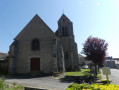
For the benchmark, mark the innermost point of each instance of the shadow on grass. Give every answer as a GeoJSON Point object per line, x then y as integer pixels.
{"type": "Point", "coordinates": [86, 72]}
{"type": "Point", "coordinates": [79, 79]}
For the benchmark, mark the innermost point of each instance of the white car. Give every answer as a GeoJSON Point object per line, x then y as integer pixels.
{"type": "Point", "coordinates": [85, 67]}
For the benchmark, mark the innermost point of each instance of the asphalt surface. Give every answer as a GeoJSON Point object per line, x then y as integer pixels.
{"type": "Point", "coordinates": [114, 77]}
{"type": "Point", "coordinates": [50, 83]}
{"type": "Point", "coordinates": [47, 82]}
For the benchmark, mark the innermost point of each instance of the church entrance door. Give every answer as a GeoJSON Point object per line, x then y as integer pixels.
{"type": "Point", "coordinates": [35, 64]}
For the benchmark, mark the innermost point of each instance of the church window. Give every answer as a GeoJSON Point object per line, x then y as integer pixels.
{"type": "Point", "coordinates": [35, 44]}
{"type": "Point", "coordinates": [64, 31]}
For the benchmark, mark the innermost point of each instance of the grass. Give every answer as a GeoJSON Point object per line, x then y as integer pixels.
{"type": "Point", "coordinates": [83, 72]}
{"type": "Point", "coordinates": [4, 85]}
{"type": "Point", "coordinates": [99, 71]}
{"type": "Point", "coordinates": [99, 74]}
{"type": "Point", "coordinates": [17, 87]}
{"type": "Point", "coordinates": [103, 80]}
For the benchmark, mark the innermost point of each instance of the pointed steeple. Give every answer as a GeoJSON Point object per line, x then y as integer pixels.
{"type": "Point", "coordinates": [64, 18]}
{"type": "Point", "coordinates": [65, 27]}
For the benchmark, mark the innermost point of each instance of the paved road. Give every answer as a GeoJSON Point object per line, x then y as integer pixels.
{"type": "Point", "coordinates": [114, 77]}
{"type": "Point", "coordinates": [54, 84]}
{"type": "Point", "coordinates": [41, 82]}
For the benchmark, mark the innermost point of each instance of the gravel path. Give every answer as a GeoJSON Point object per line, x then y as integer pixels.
{"type": "Point", "coordinates": [41, 82]}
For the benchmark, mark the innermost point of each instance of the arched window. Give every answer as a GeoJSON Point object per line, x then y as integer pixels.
{"type": "Point", "coordinates": [35, 44]}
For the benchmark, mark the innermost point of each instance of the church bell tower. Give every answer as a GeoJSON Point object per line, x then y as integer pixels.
{"type": "Point", "coordinates": [65, 27]}
{"type": "Point", "coordinates": [65, 33]}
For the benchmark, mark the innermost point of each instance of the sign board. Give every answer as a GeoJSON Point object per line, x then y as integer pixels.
{"type": "Point", "coordinates": [106, 71]}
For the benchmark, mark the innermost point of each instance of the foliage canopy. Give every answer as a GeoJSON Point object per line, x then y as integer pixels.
{"type": "Point", "coordinates": [95, 50]}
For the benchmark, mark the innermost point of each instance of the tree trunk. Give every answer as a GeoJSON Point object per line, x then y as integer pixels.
{"type": "Point", "coordinates": [95, 70]}
{"type": "Point", "coordinates": [98, 68]}
{"type": "Point", "coordinates": [90, 70]}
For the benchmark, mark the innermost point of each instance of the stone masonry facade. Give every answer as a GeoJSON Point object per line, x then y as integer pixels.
{"type": "Point", "coordinates": [38, 49]}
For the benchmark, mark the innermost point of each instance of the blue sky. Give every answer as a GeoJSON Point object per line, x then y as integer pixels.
{"type": "Point", "coordinates": [99, 18]}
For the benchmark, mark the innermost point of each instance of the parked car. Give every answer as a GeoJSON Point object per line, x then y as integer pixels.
{"type": "Point", "coordinates": [85, 67]}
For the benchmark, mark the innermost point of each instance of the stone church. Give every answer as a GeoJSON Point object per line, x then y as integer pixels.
{"type": "Point", "coordinates": [38, 49]}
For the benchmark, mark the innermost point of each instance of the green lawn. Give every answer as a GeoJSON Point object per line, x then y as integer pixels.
{"type": "Point", "coordinates": [83, 72]}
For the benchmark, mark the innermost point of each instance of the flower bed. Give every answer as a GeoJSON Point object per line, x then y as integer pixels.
{"type": "Point", "coordinates": [85, 86]}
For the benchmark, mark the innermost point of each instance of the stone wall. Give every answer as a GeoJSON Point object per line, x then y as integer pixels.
{"type": "Point", "coordinates": [35, 29]}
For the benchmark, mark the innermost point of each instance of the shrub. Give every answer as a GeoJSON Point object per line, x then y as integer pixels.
{"type": "Point", "coordinates": [14, 83]}
{"type": "Point", "coordinates": [17, 88]}
{"type": "Point", "coordinates": [85, 86]}
{"type": "Point", "coordinates": [3, 85]}
{"type": "Point", "coordinates": [76, 86]}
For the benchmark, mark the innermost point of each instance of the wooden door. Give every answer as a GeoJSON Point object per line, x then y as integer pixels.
{"type": "Point", "coordinates": [35, 64]}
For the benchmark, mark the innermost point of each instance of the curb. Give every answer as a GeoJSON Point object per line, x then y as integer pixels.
{"type": "Point", "coordinates": [32, 88]}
